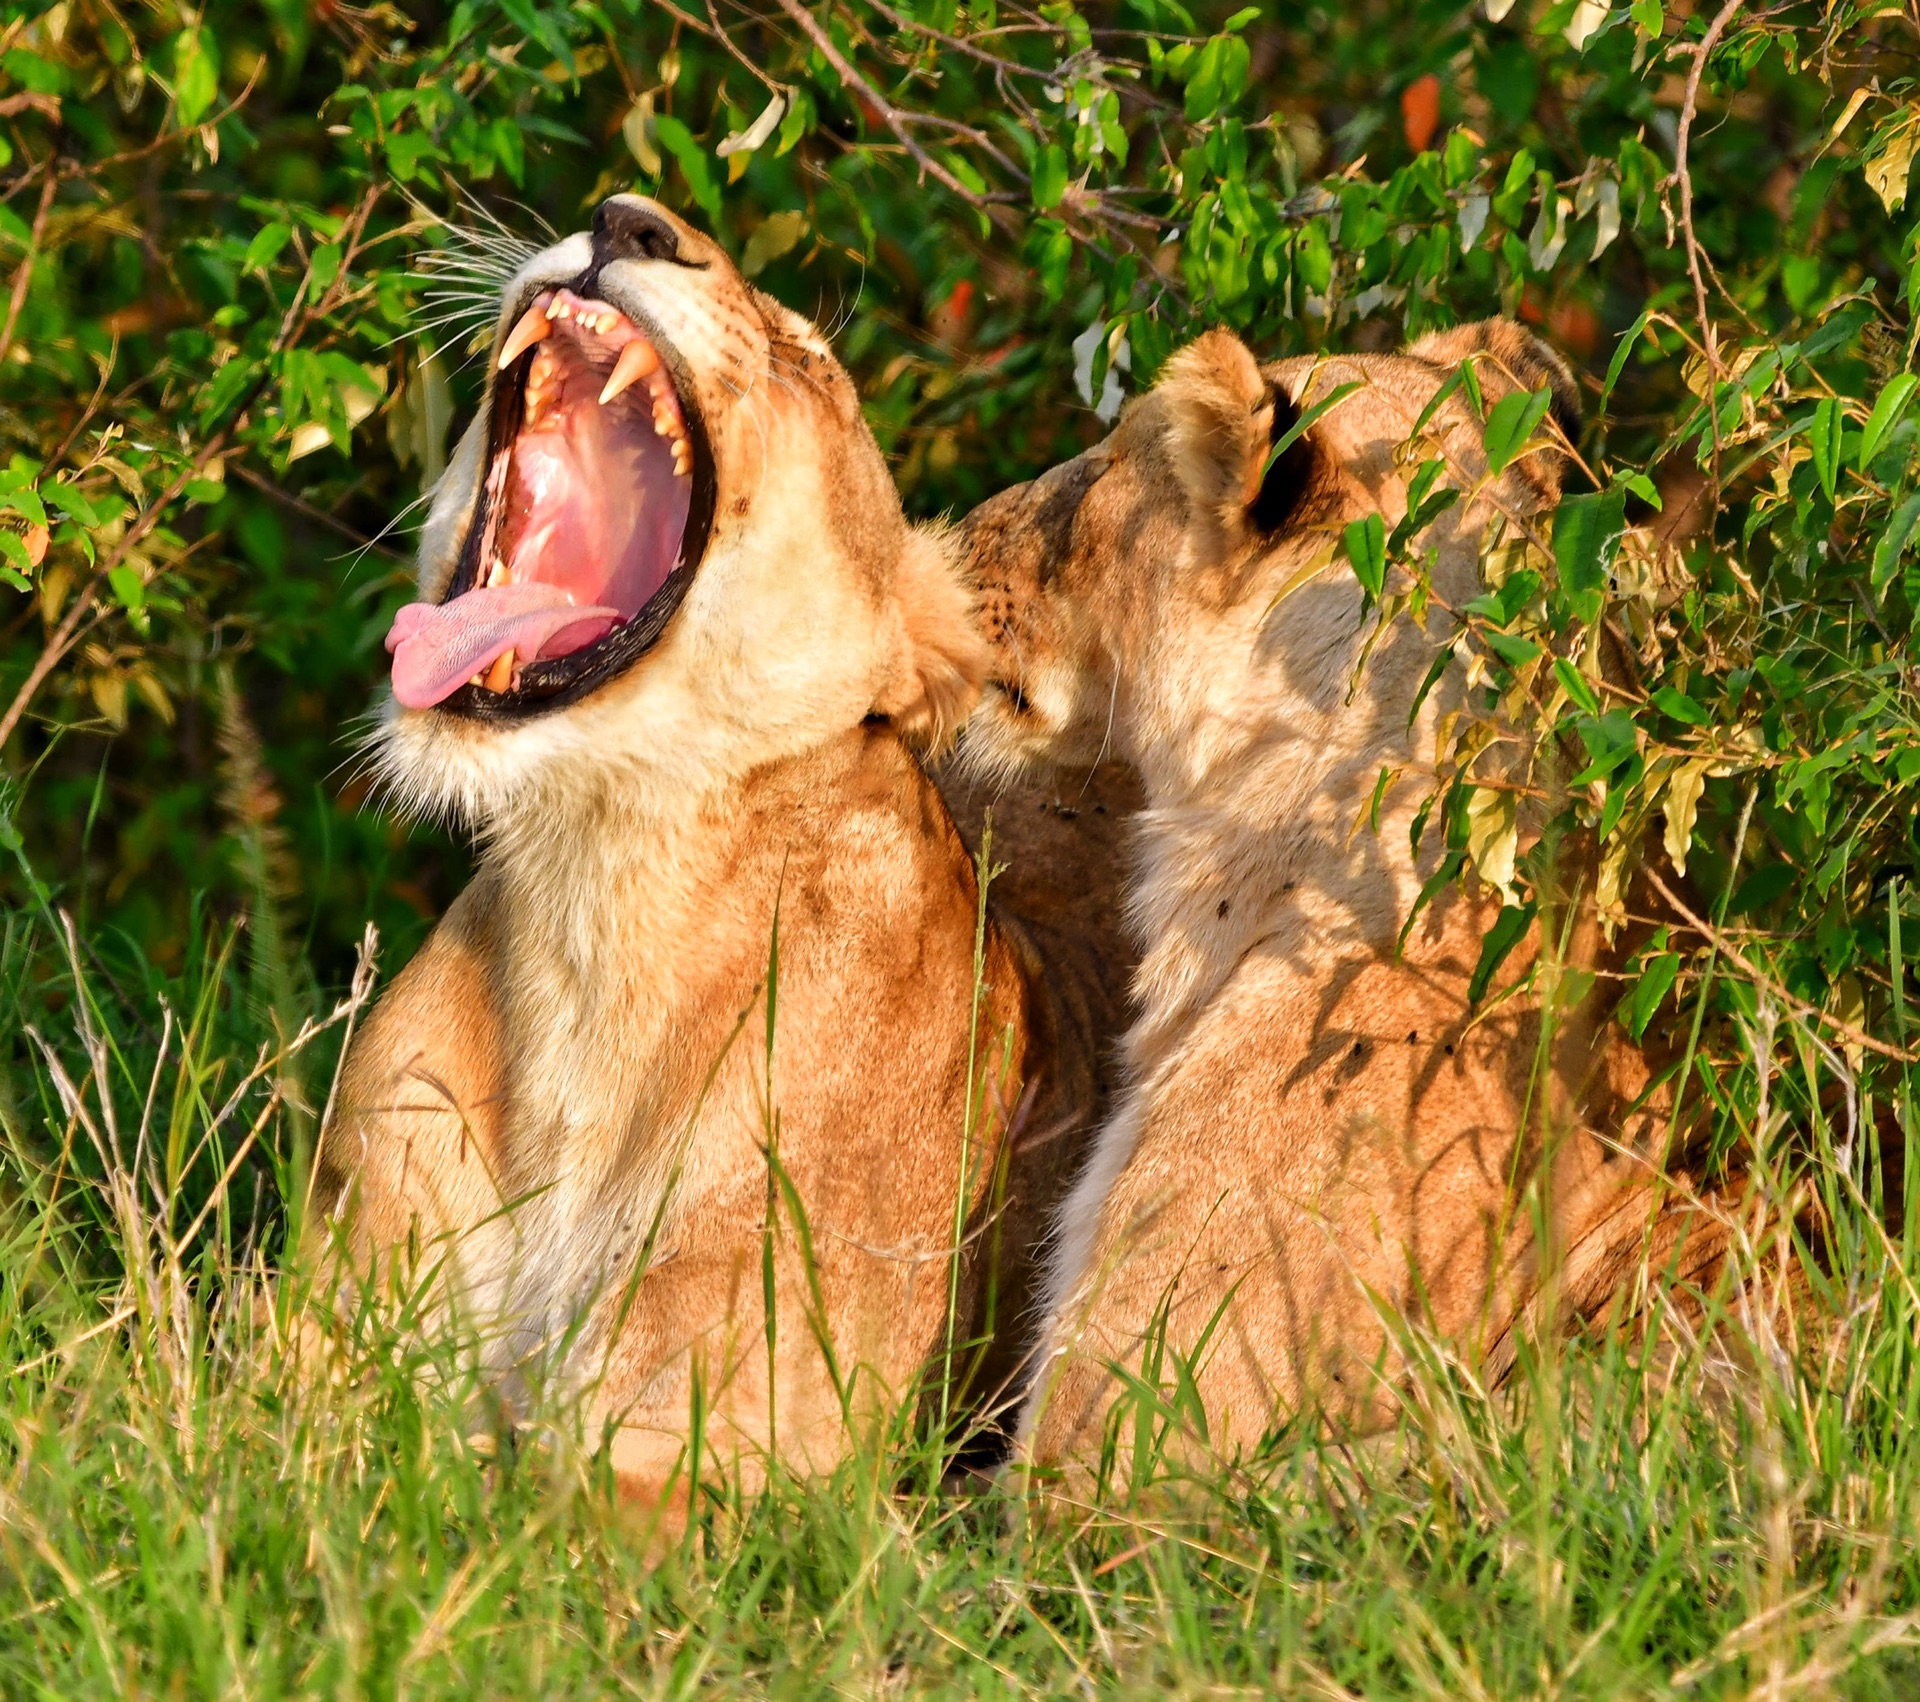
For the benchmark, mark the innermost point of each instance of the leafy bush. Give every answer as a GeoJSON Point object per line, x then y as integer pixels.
{"type": "Point", "coordinates": [253, 246]}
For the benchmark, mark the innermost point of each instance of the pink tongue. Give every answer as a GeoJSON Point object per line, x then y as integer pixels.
{"type": "Point", "coordinates": [437, 647]}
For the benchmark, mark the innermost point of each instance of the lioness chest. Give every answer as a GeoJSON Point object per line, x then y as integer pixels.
{"type": "Point", "coordinates": [665, 1023]}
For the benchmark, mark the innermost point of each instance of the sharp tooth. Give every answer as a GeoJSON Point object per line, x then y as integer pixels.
{"type": "Point", "coordinates": [501, 671]}
{"type": "Point", "coordinates": [499, 574]}
{"type": "Point", "coordinates": [531, 329]}
{"type": "Point", "coordinates": [636, 360]}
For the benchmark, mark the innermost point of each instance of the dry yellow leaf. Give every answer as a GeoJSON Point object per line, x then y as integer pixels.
{"type": "Point", "coordinates": [1888, 169]}
{"type": "Point", "coordinates": [1493, 837]}
{"type": "Point", "coordinates": [1682, 806]}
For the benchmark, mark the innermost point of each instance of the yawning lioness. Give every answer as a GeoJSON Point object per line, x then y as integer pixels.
{"type": "Point", "coordinates": [709, 1001]}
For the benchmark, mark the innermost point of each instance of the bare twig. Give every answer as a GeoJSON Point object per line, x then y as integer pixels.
{"type": "Point", "coordinates": [1810, 1013]}
{"type": "Point", "coordinates": [1688, 106]}
{"type": "Point", "coordinates": [24, 275]}
{"type": "Point", "coordinates": [890, 115]}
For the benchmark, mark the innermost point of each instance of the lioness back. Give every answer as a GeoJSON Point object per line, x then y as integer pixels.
{"type": "Point", "coordinates": [1321, 1142]}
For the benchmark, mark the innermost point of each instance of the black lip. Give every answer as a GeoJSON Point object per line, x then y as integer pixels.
{"type": "Point", "coordinates": [554, 684]}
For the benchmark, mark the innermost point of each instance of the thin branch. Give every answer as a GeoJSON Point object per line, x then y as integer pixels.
{"type": "Point", "coordinates": [23, 276]}
{"type": "Point", "coordinates": [890, 115]}
{"type": "Point", "coordinates": [1688, 106]}
{"type": "Point", "coordinates": [1810, 1013]}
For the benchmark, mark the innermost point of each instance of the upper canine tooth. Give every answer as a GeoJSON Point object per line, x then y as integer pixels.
{"type": "Point", "coordinates": [531, 328]}
{"type": "Point", "coordinates": [636, 360]}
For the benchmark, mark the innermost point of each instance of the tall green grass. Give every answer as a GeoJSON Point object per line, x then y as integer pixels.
{"type": "Point", "coordinates": [1708, 1506]}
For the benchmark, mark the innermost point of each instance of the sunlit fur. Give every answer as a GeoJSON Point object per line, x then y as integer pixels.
{"type": "Point", "coordinates": [569, 1095]}
{"type": "Point", "coordinates": [1315, 1134]}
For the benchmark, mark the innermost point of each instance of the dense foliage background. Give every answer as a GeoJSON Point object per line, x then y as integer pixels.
{"type": "Point", "coordinates": [245, 255]}
{"type": "Point", "coordinates": [251, 248]}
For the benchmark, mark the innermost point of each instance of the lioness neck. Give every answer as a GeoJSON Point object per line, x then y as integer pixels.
{"type": "Point", "coordinates": [1261, 748]}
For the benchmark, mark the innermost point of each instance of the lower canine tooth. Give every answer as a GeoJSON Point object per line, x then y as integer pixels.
{"type": "Point", "coordinates": [501, 672]}
{"type": "Point", "coordinates": [637, 361]}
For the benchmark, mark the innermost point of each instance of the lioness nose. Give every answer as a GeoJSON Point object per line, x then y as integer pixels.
{"type": "Point", "coordinates": [629, 228]}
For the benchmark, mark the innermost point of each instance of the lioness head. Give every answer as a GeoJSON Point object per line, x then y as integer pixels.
{"type": "Point", "coordinates": [1105, 580]}
{"type": "Point", "coordinates": [666, 551]}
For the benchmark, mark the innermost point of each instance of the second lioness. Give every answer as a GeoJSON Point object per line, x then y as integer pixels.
{"type": "Point", "coordinates": [673, 636]}
{"type": "Point", "coordinates": [1316, 1133]}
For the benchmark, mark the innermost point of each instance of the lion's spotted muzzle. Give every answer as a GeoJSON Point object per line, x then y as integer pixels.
{"type": "Point", "coordinates": [591, 520]}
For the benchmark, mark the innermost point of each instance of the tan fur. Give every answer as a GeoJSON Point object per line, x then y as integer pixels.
{"type": "Point", "coordinates": [564, 1105]}
{"type": "Point", "coordinates": [1316, 1137]}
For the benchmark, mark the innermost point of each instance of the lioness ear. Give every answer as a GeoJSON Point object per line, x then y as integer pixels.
{"type": "Point", "coordinates": [941, 659]}
{"type": "Point", "coordinates": [1223, 418]}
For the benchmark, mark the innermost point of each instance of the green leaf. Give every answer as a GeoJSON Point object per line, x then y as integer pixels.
{"type": "Point", "coordinates": [1366, 546]}
{"type": "Point", "coordinates": [326, 267]}
{"type": "Point", "coordinates": [1621, 350]}
{"type": "Point", "coordinates": [1762, 887]}
{"type": "Point", "coordinates": [1511, 424]}
{"type": "Point", "coordinates": [1893, 543]}
{"type": "Point", "coordinates": [1680, 706]}
{"type": "Point", "coordinates": [1584, 530]}
{"type": "Point", "coordinates": [1515, 652]}
{"type": "Point", "coordinates": [1823, 436]}
{"type": "Point", "coordinates": [679, 141]}
{"type": "Point", "coordinates": [1051, 246]}
{"type": "Point", "coordinates": [510, 148]}
{"type": "Point", "coordinates": [1049, 176]}
{"type": "Point", "coordinates": [1219, 76]}
{"type": "Point", "coordinates": [1304, 423]}
{"type": "Point", "coordinates": [128, 589]}
{"type": "Point", "coordinates": [1313, 258]}
{"type": "Point", "coordinates": [266, 245]}
{"type": "Point", "coordinates": [1576, 685]}
{"type": "Point", "coordinates": [72, 501]}
{"type": "Point", "coordinates": [196, 73]}
{"type": "Point", "coordinates": [1508, 930]}
{"type": "Point", "coordinates": [26, 502]}
{"type": "Point", "coordinates": [1886, 413]}
{"type": "Point", "coordinates": [1657, 976]}
{"type": "Point", "coordinates": [1610, 739]}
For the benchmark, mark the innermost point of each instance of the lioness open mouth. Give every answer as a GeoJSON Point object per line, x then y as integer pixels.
{"type": "Point", "coordinates": [589, 525]}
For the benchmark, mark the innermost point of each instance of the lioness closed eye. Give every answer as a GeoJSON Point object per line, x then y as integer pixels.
{"type": "Point", "coordinates": [672, 627]}
{"type": "Point", "coordinates": [1314, 1132]}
